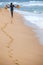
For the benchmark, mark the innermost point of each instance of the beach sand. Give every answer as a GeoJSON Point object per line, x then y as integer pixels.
{"type": "Point", "coordinates": [18, 43]}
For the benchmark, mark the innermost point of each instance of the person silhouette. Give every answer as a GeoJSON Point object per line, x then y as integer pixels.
{"type": "Point", "coordinates": [11, 6]}
{"type": "Point", "coordinates": [11, 9]}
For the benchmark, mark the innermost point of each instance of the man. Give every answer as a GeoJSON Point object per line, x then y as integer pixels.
{"type": "Point", "coordinates": [11, 9]}
{"type": "Point", "coordinates": [11, 6]}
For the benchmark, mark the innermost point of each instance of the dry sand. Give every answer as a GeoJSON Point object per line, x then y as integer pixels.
{"type": "Point", "coordinates": [18, 44]}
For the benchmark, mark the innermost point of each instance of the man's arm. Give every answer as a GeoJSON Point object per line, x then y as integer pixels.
{"type": "Point", "coordinates": [14, 6]}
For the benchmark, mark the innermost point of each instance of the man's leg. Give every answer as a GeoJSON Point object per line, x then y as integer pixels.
{"type": "Point", "coordinates": [12, 14]}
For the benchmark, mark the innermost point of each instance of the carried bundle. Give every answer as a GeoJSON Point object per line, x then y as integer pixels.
{"type": "Point", "coordinates": [7, 6]}
{"type": "Point", "coordinates": [17, 6]}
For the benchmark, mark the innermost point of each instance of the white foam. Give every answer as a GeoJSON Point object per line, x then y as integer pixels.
{"type": "Point", "coordinates": [35, 21]}
{"type": "Point", "coordinates": [1, 3]}
{"type": "Point", "coordinates": [34, 18]}
{"type": "Point", "coordinates": [30, 3]}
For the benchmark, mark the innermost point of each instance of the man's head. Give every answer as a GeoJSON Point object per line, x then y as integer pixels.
{"type": "Point", "coordinates": [11, 3]}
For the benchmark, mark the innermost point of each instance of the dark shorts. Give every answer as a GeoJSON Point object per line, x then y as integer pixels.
{"type": "Point", "coordinates": [11, 13]}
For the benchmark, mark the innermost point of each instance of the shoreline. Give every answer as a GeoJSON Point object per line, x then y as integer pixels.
{"type": "Point", "coordinates": [18, 44]}
{"type": "Point", "coordinates": [36, 29]}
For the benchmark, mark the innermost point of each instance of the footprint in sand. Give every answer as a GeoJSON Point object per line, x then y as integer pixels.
{"type": "Point", "coordinates": [10, 53]}
{"type": "Point", "coordinates": [10, 56]}
{"type": "Point", "coordinates": [16, 62]}
{"type": "Point", "coordinates": [8, 46]}
{"type": "Point", "coordinates": [12, 22]}
{"type": "Point", "coordinates": [10, 50]}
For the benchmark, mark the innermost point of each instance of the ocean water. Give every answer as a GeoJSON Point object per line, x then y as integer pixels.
{"type": "Point", "coordinates": [32, 12]}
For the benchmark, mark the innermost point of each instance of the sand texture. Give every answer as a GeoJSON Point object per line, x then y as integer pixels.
{"type": "Point", "coordinates": [18, 43]}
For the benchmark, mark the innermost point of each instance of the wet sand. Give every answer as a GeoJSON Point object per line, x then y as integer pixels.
{"type": "Point", "coordinates": [18, 43]}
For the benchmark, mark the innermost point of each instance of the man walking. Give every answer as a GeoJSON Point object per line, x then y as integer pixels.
{"type": "Point", "coordinates": [11, 9]}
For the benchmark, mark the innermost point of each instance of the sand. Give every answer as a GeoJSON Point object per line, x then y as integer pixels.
{"type": "Point", "coordinates": [18, 43]}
